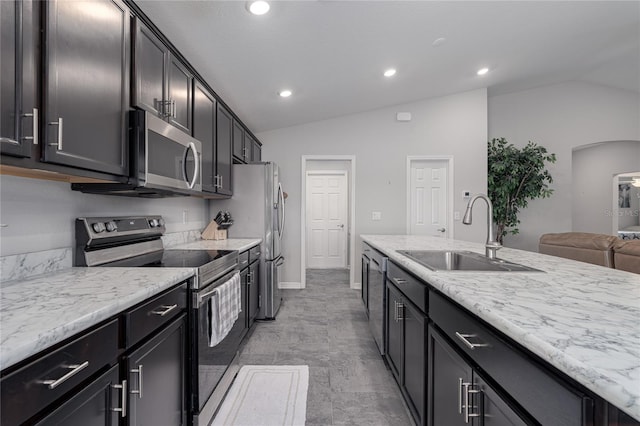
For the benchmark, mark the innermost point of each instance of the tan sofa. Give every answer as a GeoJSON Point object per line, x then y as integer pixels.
{"type": "Point", "coordinates": [582, 246]}
{"type": "Point", "coordinates": [626, 255]}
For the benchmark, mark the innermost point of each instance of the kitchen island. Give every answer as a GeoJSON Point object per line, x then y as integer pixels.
{"type": "Point", "coordinates": [579, 318]}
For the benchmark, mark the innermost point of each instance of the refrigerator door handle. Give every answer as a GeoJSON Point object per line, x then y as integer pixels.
{"type": "Point", "coordinates": [281, 223]}
{"type": "Point", "coordinates": [279, 262]}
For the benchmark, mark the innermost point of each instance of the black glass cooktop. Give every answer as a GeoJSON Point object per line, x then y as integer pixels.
{"type": "Point", "coordinates": [173, 259]}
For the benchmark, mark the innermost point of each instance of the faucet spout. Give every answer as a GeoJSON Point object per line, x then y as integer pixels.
{"type": "Point", "coordinates": [492, 245]}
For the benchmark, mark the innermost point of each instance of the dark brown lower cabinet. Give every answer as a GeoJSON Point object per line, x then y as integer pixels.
{"type": "Point", "coordinates": [93, 406]}
{"type": "Point", "coordinates": [156, 378]}
{"type": "Point", "coordinates": [253, 292]}
{"type": "Point", "coordinates": [458, 395]}
{"type": "Point", "coordinates": [406, 350]}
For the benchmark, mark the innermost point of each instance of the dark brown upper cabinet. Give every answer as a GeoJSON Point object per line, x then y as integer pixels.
{"type": "Point", "coordinates": [86, 84]}
{"type": "Point", "coordinates": [163, 85]}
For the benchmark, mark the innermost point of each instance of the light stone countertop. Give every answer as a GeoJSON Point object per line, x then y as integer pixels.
{"type": "Point", "coordinates": [39, 312]}
{"type": "Point", "coordinates": [582, 319]}
{"type": "Point", "coordinates": [240, 244]}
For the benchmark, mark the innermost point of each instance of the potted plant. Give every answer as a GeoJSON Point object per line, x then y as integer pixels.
{"type": "Point", "coordinates": [515, 176]}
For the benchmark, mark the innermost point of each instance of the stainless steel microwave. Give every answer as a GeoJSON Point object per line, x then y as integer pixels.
{"type": "Point", "coordinates": [165, 161]}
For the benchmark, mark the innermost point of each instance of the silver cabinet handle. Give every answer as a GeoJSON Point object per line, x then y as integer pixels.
{"type": "Point", "coordinates": [250, 278]}
{"type": "Point", "coordinates": [221, 181]}
{"type": "Point", "coordinates": [395, 311]}
{"type": "Point", "coordinates": [460, 387]}
{"type": "Point", "coordinates": [123, 408]}
{"type": "Point", "coordinates": [60, 132]}
{"type": "Point", "coordinates": [399, 280]}
{"type": "Point", "coordinates": [467, 401]}
{"type": "Point", "coordinates": [34, 126]}
{"type": "Point", "coordinates": [139, 372]}
{"type": "Point", "coordinates": [400, 311]}
{"type": "Point", "coordinates": [468, 344]}
{"type": "Point", "coordinates": [216, 181]}
{"type": "Point", "coordinates": [173, 108]}
{"type": "Point", "coordinates": [9, 140]}
{"type": "Point", "coordinates": [75, 369]}
{"type": "Point", "coordinates": [166, 309]}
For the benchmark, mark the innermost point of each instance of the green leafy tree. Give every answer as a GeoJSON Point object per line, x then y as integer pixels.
{"type": "Point", "coordinates": [516, 175]}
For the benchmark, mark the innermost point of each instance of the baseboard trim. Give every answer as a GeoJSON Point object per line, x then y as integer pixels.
{"type": "Point", "coordinates": [290, 285]}
{"type": "Point", "coordinates": [356, 286]}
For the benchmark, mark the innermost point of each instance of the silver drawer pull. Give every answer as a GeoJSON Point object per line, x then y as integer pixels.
{"type": "Point", "coordinates": [139, 372]}
{"type": "Point", "coordinates": [123, 409]}
{"type": "Point", "coordinates": [9, 140]}
{"type": "Point", "coordinates": [399, 280]}
{"type": "Point", "coordinates": [167, 309]}
{"type": "Point", "coordinates": [58, 123]}
{"type": "Point", "coordinates": [468, 344]}
{"type": "Point", "coordinates": [75, 369]}
{"type": "Point", "coordinates": [468, 389]}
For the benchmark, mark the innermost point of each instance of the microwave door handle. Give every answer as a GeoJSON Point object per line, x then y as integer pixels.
{"type": "Point", "coordinates": [196, 170]}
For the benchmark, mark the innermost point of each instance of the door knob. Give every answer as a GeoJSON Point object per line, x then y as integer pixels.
{"type": "Point", "coordinates": [341, 226]}
{"type": "Point", "coordinates": [441, 230]}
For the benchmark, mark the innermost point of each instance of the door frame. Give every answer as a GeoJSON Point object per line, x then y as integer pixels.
{"type": "Point", "coordinates": [303, 214]}
{"type": "Point", "coordinates": [450, 186]}
{"type": "Point", "coordinates": [330, 173]}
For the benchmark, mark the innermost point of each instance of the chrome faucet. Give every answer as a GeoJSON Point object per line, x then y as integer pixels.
{"type": "Point", "coordinates": [492, 245]}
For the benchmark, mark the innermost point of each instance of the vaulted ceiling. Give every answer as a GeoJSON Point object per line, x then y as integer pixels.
{"type": "Point", "coordinates": [332, 54]}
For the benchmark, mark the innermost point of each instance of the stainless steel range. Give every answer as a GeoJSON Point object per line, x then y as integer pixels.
{"type": "Point", "coordinates": [136, 242]}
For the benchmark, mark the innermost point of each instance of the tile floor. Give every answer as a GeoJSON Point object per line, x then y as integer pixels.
{"type": "Point", "coordinates": [324, 327]}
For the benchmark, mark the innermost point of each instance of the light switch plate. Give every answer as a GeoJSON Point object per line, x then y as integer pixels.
{"type": "Point", "coordinates": [376, 215]}
{"type": "Point", "coordinates": [456, 215]}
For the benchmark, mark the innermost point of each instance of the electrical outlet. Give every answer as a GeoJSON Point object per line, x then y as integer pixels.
{"type": "Point", "coordinates": [456, 215]}
{"type": "Point", "coordinates": [376, 215]}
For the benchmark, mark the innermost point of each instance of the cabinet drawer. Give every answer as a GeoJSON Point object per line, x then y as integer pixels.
{"type": "Point", "coordinates": [545, 397]}
{"type": "Point", "coordinates": [254, 254]}
{"type": "Point", "coordinates": [143, 320]}
{"type": "Point", "coordinates": [411, 287]}
{"type": "Point", "coordinates": [32, 388]}
{"type": "Point", "coordinates": [243, 260]}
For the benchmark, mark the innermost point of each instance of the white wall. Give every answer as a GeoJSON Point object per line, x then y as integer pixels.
{"type": "Point", "coordinates": [40, 214]}
{"type": "Point", "coordinates": [593, 169]}
{"type": "Point", "coordinates": [561, 117]}
{"type": "Point", "coordinates": [452, 125]}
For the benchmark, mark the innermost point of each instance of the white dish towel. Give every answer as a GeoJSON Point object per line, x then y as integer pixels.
{"type": "Point", "coordinates": [224, 308]}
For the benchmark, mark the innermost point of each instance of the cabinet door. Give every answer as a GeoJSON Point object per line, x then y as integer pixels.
{"type": "Point", "coordinates": [156, 376]}
{"type": "Point", "coordinates": [254, 292]}
{"type": "Point", "coordinates": [394, 331]}
{"type": "Point", "coordinates": [92, 406]}
{"type": "Point", "coordinates": [249, 148]}
{"type": "Point", "coordinates": [256, 153]}
{"type": "Point", "coordinates": [204, 111]}
{"type": "Point", "coordinates": [364, 293]}
{"type": "Point", "coordinates": [239, 151]}
{"type": "Point", "coordinates": [224, 144]}
{"type": "Point", "coordinates": [87, 101]}
{"type": "Point", "coordinates": [494, 410]}
{"type": "Point", "coordinates": [150, 69]}
{"type": "Point", "coordinates": [18, 113]}
{"type": "Point", "coordinates": [415, 348]}
{"type": "Point", "coordinates": [447, 375]}
{"type": "Point", "coordinates": [180, 85]}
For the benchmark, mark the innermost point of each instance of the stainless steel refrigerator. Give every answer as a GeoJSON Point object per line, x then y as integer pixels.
{"type": "Point", "coordinates": [257, 208]}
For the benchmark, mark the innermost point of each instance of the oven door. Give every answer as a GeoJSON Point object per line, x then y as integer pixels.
{"type": "Point", "coordinates": [169, 158]}
{"type": "Point", "coordinates": [212, 365]}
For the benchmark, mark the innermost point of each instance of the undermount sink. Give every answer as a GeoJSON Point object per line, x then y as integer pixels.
{"type": "Point", "coordinates": [439, 260]}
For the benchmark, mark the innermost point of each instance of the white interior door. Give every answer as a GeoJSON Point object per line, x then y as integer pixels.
{"type": "Point", "coordinates": [326, 220]}
{"type": "Point", "coordinates": [428, 198]}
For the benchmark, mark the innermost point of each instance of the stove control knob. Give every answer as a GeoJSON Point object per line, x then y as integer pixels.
{"type": "Point", "coordinates": [153, 223]}
{"type": "Point", "coordinates": [98, 227]}
{"type": "Point", "coordinates": [111, 226]}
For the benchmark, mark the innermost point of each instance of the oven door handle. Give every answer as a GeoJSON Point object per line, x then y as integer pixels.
{"type": "Point", "coordinates": [201, 297]}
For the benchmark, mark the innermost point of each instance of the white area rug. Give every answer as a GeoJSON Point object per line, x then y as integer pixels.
{"type": "Point", "coordinates": [266, 395]}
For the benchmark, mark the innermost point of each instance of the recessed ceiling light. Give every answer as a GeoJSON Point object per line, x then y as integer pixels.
{"type": "Point", "coordinates": [438, 42]}
{"type": "Point", "coordinates": [390, 72]}
{"type": "Point", "coordinates": [286, 93]}
{"type": "Point", "coordinates": [483, 71]}
{"type": "Point", "coordinates": [259, 7]}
